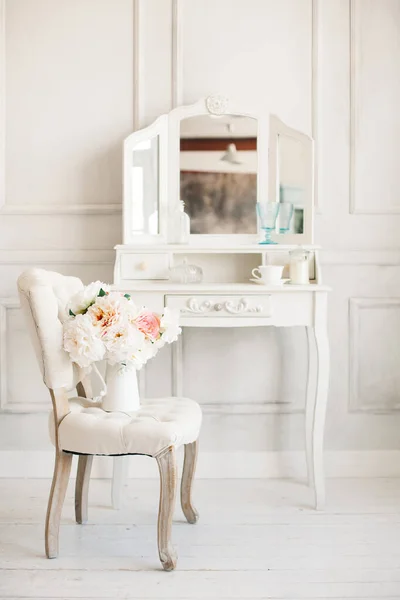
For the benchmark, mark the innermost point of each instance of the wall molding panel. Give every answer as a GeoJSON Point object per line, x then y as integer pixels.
{"type": "Point", "coordinates": [366, 258]}
{"type": "Point", "coordinates": [137, 64]}
{"type": "Point", "coordinates": [356, 199]}
{"type": "Point", "coordinates": [48, 210]}
{"type": "Point", "coordinates": [62, 209]}
{"type": "Point", "coordinates": [352, 208]}
{"type": "Point", "coordinates": [57, 257]}
{"type": "Point", "coordinates": [2, 101]}
{"type": "Point", "coordinates": [356, 402]}
{"type": "Point", "coordinates": [177, 54]}
{"type": "Point", "coordinates": [315, 98]}
{"type": "Point", "coordinates": [5, 404]}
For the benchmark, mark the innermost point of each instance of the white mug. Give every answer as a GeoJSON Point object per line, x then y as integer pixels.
{"type": "Point", "coordinates": [268, 273]}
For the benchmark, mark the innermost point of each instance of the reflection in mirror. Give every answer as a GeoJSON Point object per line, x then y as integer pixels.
{"type": "Point", "coordinates": [144, 181]}
{"type": "Point", "coordinates": [292, 183]}
{"type": "Point", "coordinates": [218, 173]}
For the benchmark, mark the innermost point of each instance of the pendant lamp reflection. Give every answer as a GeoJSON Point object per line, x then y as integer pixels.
{"type": "Point", "coordinates": [231, 155]}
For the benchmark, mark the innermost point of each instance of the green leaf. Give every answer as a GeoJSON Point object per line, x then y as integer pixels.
{"type": "Point", "coordinates": [71, 314]}
{"type": "Point", "coordinates": [101, 293]}
{"type": "Point", "coordinates": [127, 296]}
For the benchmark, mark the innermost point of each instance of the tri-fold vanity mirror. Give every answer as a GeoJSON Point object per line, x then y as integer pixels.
{"type": "Point", "coordinates": [214, 177]}
{"type": "Point", "coordinates": [220, 161]}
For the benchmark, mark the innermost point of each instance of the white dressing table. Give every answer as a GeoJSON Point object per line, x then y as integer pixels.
{"type": "Point", "coordinates": [225, 297]}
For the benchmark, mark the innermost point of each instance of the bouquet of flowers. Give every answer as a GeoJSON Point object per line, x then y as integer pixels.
{"type": "Point", "coordinates": [107, 325]}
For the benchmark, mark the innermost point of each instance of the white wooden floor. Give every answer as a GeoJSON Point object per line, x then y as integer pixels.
{"type": "Point", "coordinates": [255, 539]}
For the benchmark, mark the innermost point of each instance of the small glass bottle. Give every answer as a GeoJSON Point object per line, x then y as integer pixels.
{"type": "Point", "coordinates": [181, 224]}
{"type": "Point", "coordinates": [299, 270]}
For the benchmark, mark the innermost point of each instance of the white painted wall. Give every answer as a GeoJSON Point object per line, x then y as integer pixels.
{"type": "Point", "coordinates": [69, 101]}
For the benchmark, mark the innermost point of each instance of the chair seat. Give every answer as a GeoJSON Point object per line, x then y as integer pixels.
{"type": "Point", "coordinates": [158, 424]}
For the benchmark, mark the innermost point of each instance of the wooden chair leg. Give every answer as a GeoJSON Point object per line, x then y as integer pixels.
{"type": "Point", "coordinates": [168, 480]}
{"type": "Point", "coordinates": [82, 488]}
{"type": "Point", "coordinates": [62, 469]}
{"type": "Point", "coordinates": [189, 468]}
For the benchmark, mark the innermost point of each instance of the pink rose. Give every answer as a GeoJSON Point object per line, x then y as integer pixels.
{"type": "Point", "coordinates": [148, 323]}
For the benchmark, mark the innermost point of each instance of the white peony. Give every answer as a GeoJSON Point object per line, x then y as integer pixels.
{"type": "Point", "coordinates": [145, 353]}
{"type": "Point", "coordinates": [109, 312]}
{"type": "Point", "coordinates": [122, 342]}
{"type": "Point", "coordinates": [81, 341]}
{"type": "Point", "coordinates": [80, 302]}
{"type": "Point", "coordinates": [169, 326]}
{"type": "Point", "coordinates": [136, 361]}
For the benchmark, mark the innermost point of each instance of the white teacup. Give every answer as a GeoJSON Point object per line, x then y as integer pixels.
{"type": "Point", "coordinates": [268, 274]}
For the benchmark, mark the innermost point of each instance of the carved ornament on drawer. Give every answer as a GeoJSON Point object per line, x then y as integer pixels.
{"type": "Point", "coordinates": [231, 306]}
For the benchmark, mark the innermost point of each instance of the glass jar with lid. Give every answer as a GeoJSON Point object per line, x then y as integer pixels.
{"type": "Point", "coordinates": [186, 273]}
{"type": "Point", "coordinates": [299, 266]}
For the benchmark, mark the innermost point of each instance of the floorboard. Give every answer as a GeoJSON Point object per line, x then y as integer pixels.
{"type": "Point", "coordinates": [256, 539]}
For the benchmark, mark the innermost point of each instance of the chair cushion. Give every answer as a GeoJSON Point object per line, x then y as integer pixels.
{"type": "Point", "coordinates": [158, 424]}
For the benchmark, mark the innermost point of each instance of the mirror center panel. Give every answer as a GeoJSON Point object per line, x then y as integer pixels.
{"type": "Point", "coordinates": [218, 173]}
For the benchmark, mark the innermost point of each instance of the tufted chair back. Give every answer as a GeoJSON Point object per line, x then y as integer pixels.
{"type": "Point", "coordinates": [44, 295]}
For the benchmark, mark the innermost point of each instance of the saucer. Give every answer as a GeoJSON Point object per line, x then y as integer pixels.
{"type": "Point", "coordinates": [278, 283]}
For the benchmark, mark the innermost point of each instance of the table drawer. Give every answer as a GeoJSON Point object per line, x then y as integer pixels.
{"type": "Point", "coordinates": [144, 266]}
{"type": "Point", "coordinates": [204, 305]}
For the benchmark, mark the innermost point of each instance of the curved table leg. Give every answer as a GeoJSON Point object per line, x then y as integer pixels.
{"type": "Point", "coordinates": [317, 394]}
{"type": "Point", "coordinates": [310, 403]}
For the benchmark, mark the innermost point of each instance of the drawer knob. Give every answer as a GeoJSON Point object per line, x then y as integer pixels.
{"type": "Point", "coordinates": [141, 266]}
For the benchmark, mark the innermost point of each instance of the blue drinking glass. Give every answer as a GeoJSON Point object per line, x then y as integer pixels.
{"type": "Point", "coordinates": [267, 213]}
{"type": "Point", "coordinates": [285, 216]}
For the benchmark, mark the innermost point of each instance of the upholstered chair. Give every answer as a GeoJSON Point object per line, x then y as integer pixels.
{"type": "Point", "coordinates": [79, 426]}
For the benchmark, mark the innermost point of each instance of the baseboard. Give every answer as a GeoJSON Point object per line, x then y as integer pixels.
{"type": "Point", "coordinates": [220, 465]}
